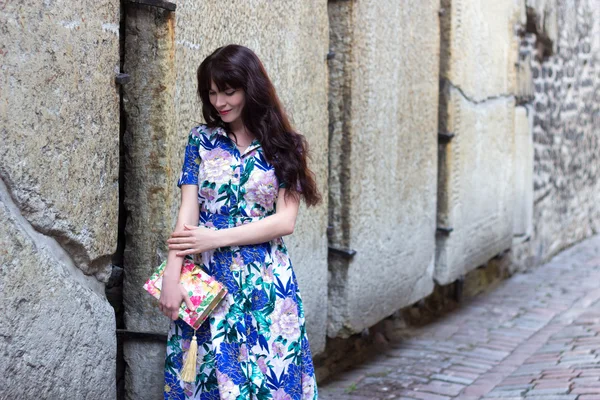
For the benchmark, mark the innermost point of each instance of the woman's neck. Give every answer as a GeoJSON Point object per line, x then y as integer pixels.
{"type": "Point", "coordinates": [237, 126]}
{"type": "Point", "coordinates": [242, 136]}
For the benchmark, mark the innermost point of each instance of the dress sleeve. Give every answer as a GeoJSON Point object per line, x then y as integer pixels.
{"type": "Point", "coordinates": [191, 162]}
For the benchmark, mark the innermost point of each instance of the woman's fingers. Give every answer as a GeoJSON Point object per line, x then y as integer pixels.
{"type": "Point", "coordinates": [179, 239]}
{"type": "Point", "coordinates": [183, 246]}
{"type": "Point", "coordinates": [182, 234]}
{"type": "Point", "coordinates": [186, 298]}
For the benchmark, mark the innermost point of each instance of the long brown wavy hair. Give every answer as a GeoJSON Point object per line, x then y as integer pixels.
{"type": "Point", "coordinates": [237, 67]}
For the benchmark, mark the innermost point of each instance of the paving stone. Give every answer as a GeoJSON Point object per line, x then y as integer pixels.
{"type": "Point", "coordinates": [589, 397]}
{"type": "Point", "coordinates": [502, 394]}
{"type": "Point", "coordinates": [503, 387]}
{"type": "Point", "coordinates": [429, 396]}
{"type": "Point", "coordinates": [441, 387]}
{"type": "Point", "coordinates": [547, 391]}
{"type": "Point", "coordinates": [589, 381]}
{"type": "Point", "coordinates": [587, 390]}
{"type": "Point", "coordinates": [452, 379]}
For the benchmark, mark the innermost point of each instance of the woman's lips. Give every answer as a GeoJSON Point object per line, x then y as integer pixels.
{"type": "Point", "coordinates": [224, 112]}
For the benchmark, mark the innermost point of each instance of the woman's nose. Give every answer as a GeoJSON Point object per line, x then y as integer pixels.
{"type": "Point", "coordinates": [220, 101]}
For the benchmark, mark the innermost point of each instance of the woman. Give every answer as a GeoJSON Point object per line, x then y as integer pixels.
{"type": "Point", "coordinates": [247, 169]}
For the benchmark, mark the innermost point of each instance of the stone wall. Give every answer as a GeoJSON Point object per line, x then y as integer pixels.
{"type": "Point", "coordinates": [382, 160]}
{"type": "Point", "coordinates": [477, 148]}
{"type": "Point", "coordinates": [477, 120]}
{"type": "Point", "coordinates": [562, 45]}
{"type": "Point", "coordinates": [59, 149]}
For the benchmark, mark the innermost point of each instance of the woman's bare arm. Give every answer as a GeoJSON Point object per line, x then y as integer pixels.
{"type": "Point", "coordinates": [188, 215]}
{"type": "Point", "coordinates": [197, 239]}
{"type": "Point", "coordinates": [171, 295]}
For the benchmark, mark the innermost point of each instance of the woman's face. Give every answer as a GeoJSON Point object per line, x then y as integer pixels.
{"type": "Point", "coordinates": [228, 103]}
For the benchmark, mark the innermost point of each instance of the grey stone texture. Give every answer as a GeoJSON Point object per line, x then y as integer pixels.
{"type": "Point", "coordinates": [163, 52]}
{"type": "Point", "coordinates": [475, 179]}
{"type": "Point", "coordinates": [475, 197]}
{"type": "Point", "coordinates": [59, 135]}
{"type": "Point", "coordinates": [57, 331]}
{"type": "Point", "coordinates": [383, 140]}
{"type": "Point", "coordinates": [59, 125]}
{"type": "Point", "coordinates": [566, 128]}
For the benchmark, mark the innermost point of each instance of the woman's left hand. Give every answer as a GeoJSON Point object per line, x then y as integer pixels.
{"type": "Point", "coordinates": [192, 240]}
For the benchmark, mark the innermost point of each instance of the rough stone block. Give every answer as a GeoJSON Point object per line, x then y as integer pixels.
{"type": "Point", "coordinates": [383, 138]}
{"type": "Point", "coordinates": [479, 79]}
{"type": "Point", "coordinates": [566, 134]}
{"type": "Point", "coordinates": [475, 191]}
{"type": "Point", "coordinates": [59, 152]}
{"type": "Point", "coordinates": [151, 194]}
{"type": "Point", "coordinates": [59, 124]}
{"type": "Point", "coordinates": [480, 46]}
{"type": "Point", "coordinates": [57, 331]}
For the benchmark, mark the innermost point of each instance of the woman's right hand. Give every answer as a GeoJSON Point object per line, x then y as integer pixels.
{"type": "Point", "coordinates": [172, 295]}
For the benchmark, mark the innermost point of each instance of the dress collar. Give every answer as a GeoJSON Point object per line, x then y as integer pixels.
{"type": "Point", "coordinates": [222, 132]}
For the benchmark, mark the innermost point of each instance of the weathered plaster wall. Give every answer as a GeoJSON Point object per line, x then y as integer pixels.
{"type": "Point", "coordinates": [566, 125]}
{"type": "Point", "coordinates": [383, 138]}
{"type": "Point", "coordinates": [475, 189]}
{"type": "Point", "coordinates": [59, 149]}
{"type": "Point", "coordinates": [163, 52]}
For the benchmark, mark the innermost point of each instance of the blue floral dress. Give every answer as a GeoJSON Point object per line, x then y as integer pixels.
{"type": "Point", "coordinates": [254, 345]}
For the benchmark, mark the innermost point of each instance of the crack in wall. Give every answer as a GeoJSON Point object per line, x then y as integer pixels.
{"type": "Point", "coordinates": [114, 288]}
{"type": "Point", "coordinates": [49, 243]}
{"type": "Point", "coordinates": [45, 220]}
{"type": "Point", "coordinates": [446, 82]}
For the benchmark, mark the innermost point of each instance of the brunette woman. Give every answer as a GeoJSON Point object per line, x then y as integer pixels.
{"type": "Point", "coordinates": [244, 175]}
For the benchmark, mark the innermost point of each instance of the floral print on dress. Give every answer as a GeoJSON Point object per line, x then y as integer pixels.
{"type": "Point", "coordinates": [254, 345]}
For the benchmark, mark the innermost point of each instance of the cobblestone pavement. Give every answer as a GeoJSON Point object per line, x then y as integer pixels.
{"type": "Point", "coordinates": [535, 337]}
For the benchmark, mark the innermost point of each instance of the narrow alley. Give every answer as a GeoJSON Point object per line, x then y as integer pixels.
{"type": "Point", "coordinates": [534, 337]}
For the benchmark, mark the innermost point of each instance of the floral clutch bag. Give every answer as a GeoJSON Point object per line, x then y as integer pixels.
{"type": "Point", "coordinates": [204, 291]}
